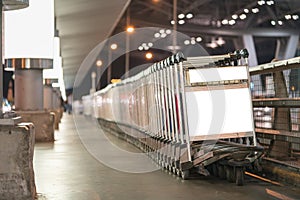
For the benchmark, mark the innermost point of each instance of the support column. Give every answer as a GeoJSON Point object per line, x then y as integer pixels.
{"type": "Point", "coordinates": [29, 89]}
{"type": "Point", "coordinates": [29, 95]}
{"type": "Point", "coordinates": [291, 47]}
{"type": "Point", "coordinates": [250, 46]}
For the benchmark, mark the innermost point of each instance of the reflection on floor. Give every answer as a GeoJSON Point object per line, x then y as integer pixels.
{"type": "Point", "coordinates": [66, 171]}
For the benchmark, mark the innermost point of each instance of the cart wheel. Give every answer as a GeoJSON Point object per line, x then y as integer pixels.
{"type": "Point", "coordinates": [169, 168]}
{"type": "Point", "coordinates": [177, 172]}
{"type": "Point", "coordinates": [185, 174]}
{"type": "Point", "coordinates": [229, 174]}
{"type": "Point", "coordinates": [239, 176]}
{"type": "Point", "coordinates": [215, 169]}
{"type": "Point", "coordinates": [221, 171]}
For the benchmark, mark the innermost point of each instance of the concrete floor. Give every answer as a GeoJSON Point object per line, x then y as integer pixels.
{"type": "Point", "coordinates": [65, 170]}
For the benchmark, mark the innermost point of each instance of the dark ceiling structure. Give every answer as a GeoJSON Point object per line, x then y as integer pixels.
{"type": "Point", "coordinates": [216, 25]}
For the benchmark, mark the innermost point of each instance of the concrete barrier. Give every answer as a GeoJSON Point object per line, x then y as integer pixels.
{"type": "Point", "coordinates": [44, 123]}
{"type": "Point", "coordinates": [16, 167]}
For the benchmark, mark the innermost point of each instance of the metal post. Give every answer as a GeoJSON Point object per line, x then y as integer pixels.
{"type": "Point", "coordinates": [127, 46]}
{"type": "Point", "coordinates": [1, 54]}
{"type": "Point", "coordinates": [174, 26]}
{"type": "Point", "coordinates": [109, 65]}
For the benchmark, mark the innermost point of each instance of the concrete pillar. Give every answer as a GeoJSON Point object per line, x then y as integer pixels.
{"type": "Point", "coordinates": [29, 95]}
{"type": "Point", "coordinates": [48, 97]}
{"type": "Point", "coordinates": [29, 89]}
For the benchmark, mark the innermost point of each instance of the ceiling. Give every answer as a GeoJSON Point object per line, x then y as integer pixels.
{"type": "Point", "coordinates": [83, 24]}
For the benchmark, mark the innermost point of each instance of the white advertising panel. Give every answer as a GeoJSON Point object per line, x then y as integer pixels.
{"type": "Point", "coordinates": [29, 32]}
{"type": "Point", "coordinates": [219, 112]}
{"type": "Point", "coordinates": [218, 74]}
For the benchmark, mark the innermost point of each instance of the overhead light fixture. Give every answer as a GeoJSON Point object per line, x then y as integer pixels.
{"type": "Point", "coordinates": [189, 15]}
{"type": "Point", "coordinates": [199, 39]}
{"type": "Point", "coordinates": [287, 17]}
{"type": "Point", "coordinates": [157, 35]}
{"type": "Point", "coordinates": [162, 31]}
{"type": "Point", "coordinates": [212, 45]}
{"type": "Point", "coordinates": [243, 16]}
{"type": "Point", "coordinates": [271, 2]}
{"type": "Point", "coordinates": [150, 44]}
{"type": "Point", "coordinates": [261, 2]}
{"type": "Point", "coordinates": [273, 22]}
{"type": "Point", "coordinates": [246, 10]}
{"type": "Point", "coordinates": [295, 17]}
{"type": "Point", "coordinates": [255, 10]}
{"type": "Point", "coordinates": [168, 31]}
{"type": "Point", "coordinates": [231, 22]}
{"type": "Point", "coordinates": [181, 16]}
{"type": "Point", "coordinates": [225, 21]}
{"type": "Point", "coordinates": [130, 29]}
{"type": "Point", "coordinates": [181, 22]}
{"type": "Point", "coordinates": [99, 63]}
{"type": "Point", "coordinates": [149, 55]}
{"type": "Point", "coordinates": [187, 42]}
{"type": "Point", "coordinates": [163, 35]}
{"type": "Point", "coordinates": [280, 23]}
{"type": "Point", "coordinates": [172, 22]}
{"type": "Point", "coordinates": [141, 48]}
{"type": "Point", "coordinates": [235, 16]}
{"type": "Point", "coordinates": [114, 46]}
{"type": "Point", "coordinates": [220, 41]}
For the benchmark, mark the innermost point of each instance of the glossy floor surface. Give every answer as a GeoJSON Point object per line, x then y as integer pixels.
{"type": "Point", "coordinates": [65, 170]}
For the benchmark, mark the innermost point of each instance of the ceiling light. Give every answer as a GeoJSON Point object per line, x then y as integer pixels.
{"type": "Point", "coordinates": [271, 2]}
{"type": "Point", "coordinates": [212, 45]}
{"type": "Point", "coordinates": [186, 42]}
{"type": "Point", "coordinates": [225, 21]}
{"type": "Point", "coordinates": [181, 16]}
{"type": "Point", "coordinates": [261, 2]}
{"type": "Point", "coordinates": [246, 10]}
{"type": "Point", "coordinates": [168, 31]}
{"type": "Point", "coordinates": [220, 41]}
{"type": "Point", "coordinates": [189, 15]}
{"type": "Point", "coordinates": [287, 17]}
{"type": "Point", "coordinates": [130, 29]}
{"type": "Point", "coordinates": [199, 39]}
{"type": "Point", "coordinates": [243, 16]}
{"type": "Point", "coordinates": [140, 48]}
{"type": "Point", "coordinates": [163, 35]}
{"type": "Point", "coordinates": [193, 42]}
{"type": "Point", "coordinates": [114, 46]}
{"type": "Point", "coordinates": [144, 45]}
{"type": "Point", "coordinates": [172, 22]}
{"type": "Point", "coordinates": [295, 17]}
{"type": "Point", "coordinates": [235, 16]}
{"type": "Point", "coordinates": [146, 48]}
{"type": "Point", "coordinates": [162, 30]}
{"type": "Point", "coordinates": [280, 22]}
{"type": "Point", "coordinates": [150, 44]}
{"type": "Point", "coordinates": [99, 63]}
{"type": "Point", "coordinates": [181, 22]}
{"type": "Point", "coordinates": [149, 55]}
{"type": "Point", "coordinates": [273, 22]}
{"type": "Point", "coordinates": [157, 35]}
{"type": "Point", "coordinates": [255, 10]}
{"type": "Point", "coordinates": [231, 22]}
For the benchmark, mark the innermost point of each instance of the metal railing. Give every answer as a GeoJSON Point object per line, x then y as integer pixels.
{"type": "Point", "coordinates": [275, 91]}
